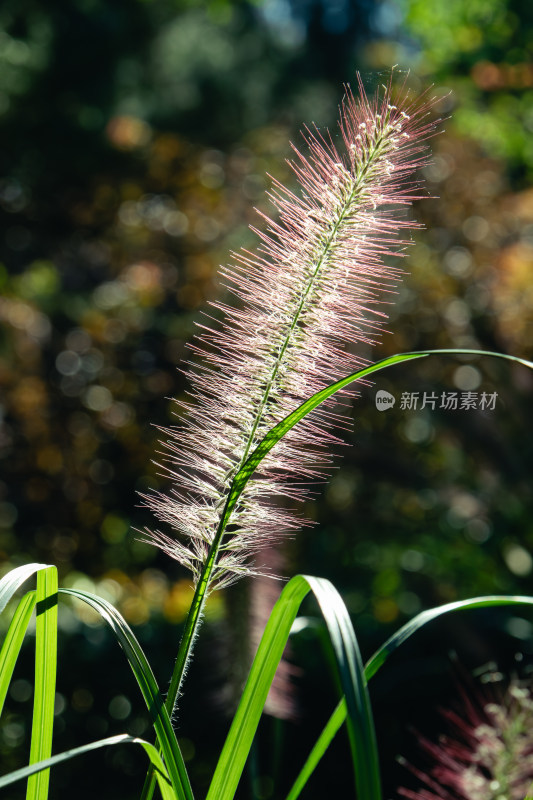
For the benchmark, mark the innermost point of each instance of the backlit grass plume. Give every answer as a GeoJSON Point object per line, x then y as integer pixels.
{"type": "Point", "coordinates": [315, 287]}
{"type": "Point", "coordinates": [488, 752]}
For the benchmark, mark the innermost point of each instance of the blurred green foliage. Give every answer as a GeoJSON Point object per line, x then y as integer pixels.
{"type": "Point", "coordinates": [136, 139]}
{"type": "Point", "coordinates": [483, 50]}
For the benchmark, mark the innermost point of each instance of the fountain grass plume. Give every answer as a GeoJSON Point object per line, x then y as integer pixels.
{"type": "Point", "coordinates": [487, 752]}
{"type": "Point", "coordinates": [316, 286]}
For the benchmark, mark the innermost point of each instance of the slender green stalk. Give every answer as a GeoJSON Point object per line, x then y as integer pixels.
{"type": "Point", "coordinates": [192, 623]}
{"type": "Point", "coordinates": [194, 617]}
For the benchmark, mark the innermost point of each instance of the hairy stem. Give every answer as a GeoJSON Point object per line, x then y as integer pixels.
{"type": "Point", "coordinates": [192, 624]}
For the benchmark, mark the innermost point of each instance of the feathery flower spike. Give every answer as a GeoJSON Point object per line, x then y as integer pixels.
{"type": "Point", "coordinates": [488, 752]}
{"type": "Point", "coordinates": [311, 290]}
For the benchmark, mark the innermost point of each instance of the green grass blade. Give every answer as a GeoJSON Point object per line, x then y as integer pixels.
{"type": "Point", "coordinates": [238, 742]}
{"type": "Point", "coordinates": [13, 642]}
{"type": "Point", "coordinates": [284, 426]}
{"type": "Point", "coordinates": [338, 717]}
{"type": "Point", "coordinates": [45, 680]}
{"type": "Point", "coordinates": [354, 686]}
{"type": "Point", "coordinates": [14, 579]}
{"type": "Point", "coordinates": [333, 725]}
{"type": "Point", "coordinates": [411, 627]}
{"type": "Point", "coordinates": [273, 436]}
{"type": "Point", "coordinates": [155, 758]}
{"type": "Point", "coordinates": [149, 689]}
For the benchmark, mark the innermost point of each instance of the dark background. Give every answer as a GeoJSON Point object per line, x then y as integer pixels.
{"type": "Point", "coordinates": [136, 137]}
